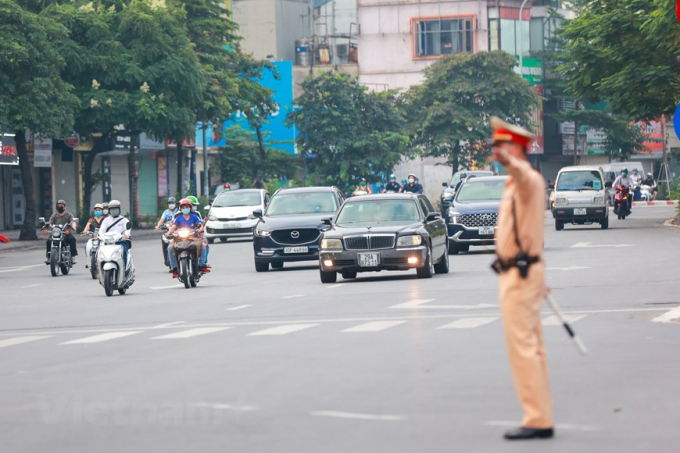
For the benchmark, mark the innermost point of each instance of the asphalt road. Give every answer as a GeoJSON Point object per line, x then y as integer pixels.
{"type": "Point", "coordinates": [278, 362]}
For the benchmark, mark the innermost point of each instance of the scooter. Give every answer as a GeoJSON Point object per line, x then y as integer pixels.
{"type": "Point", "coordinates": [91, 249]}
{"type": "Point", "coordinates": [621, 202]}
{"type": "Point", "coordinates": [59, 255]}
{"type": "Point", "coordinates": [113, 273]}
{"type": "Point", "coordinates": [165, 241]}
{"type": "Point", "coordinates": [646, 193]}
{"type": "Point", "coordinates": [186, 255]}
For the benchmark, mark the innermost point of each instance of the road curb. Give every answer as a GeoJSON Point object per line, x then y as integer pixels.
{"type": "Point", "coordinates": [655, 203]}
{"type": "Point", "coordinates": [15, 245]}
{"type": "Point", "coordinates": [669, 223]}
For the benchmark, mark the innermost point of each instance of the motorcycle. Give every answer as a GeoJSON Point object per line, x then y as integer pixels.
{"type": "Point", "coordinates": [621, 202]}
{"type": "Point", "coordinates": [186, 255]}
{"type": "Point", "coordinates": [114, 274]}
{"type": "Point", "coordinates": [91, 249]}
{"type": "Point", "coordinates": [646, 193]}
{"type": "Point", "coordinates": [59, 255]}
{"type": "Point", "coordinates": [165, 241]}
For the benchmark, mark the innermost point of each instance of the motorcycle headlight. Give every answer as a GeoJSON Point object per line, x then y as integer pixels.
{"type": "Point", "coordinates": [56, 232]}
{"type": "Point", "coordinates": [409, 241]}
{"type": "Point", "coordinates": [454, 216]}
{"type": "Point", "coordinates": [331, 244]}
{"type": "Point", "coordinates": [561, 202]}
{"type": "Point", "coordinates": [118, 254]}
{"type": "Point", "coordinates": [184, 233]}
{"type": "Point", "coordinates": [598, 200]}
{"type": "Point", "coordinates": [262, 233]}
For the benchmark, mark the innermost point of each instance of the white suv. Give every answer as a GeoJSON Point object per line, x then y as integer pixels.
{"type": "Point", "coordinates": [233, 213]}
{"type": "Point", "coordinates": [580, 197]}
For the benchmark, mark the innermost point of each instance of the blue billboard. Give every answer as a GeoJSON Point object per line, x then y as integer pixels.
{"type": "Point", "coordinates": [277, 134]}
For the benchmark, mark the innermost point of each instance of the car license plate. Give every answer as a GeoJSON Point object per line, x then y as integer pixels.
{"type": "Point", "coordinates": [485, 230]}
{"type": "Point", "coordinates": [369, 259]}
{"type": "Point", "coordinates": [580, 211]}
{"type": "Point", "coordinates": [296, 249]}
{"type": "Point", "coordinates": [233, 225]}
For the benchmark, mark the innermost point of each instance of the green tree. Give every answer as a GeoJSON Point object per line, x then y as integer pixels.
{"type": "Point", "coordinates": [448, 115]}
{"type": "Point", "coordinates": [349, 131]}
{"type": "Point", "coordinates": [33, 95]}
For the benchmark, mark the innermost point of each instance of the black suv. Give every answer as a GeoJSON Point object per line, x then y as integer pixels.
{"type": "Point", "coordinates": [290, 228]}
{"type": "Point", "coordinates": [446, 197]}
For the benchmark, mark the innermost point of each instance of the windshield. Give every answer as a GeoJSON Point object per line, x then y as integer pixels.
{"type": "Point", "coordinates": [579, 180]}
{"type": "Point", "coordinates": [238, 198]}
{"type": "Point", "coordinates": [372, 212]}
{"type": "Point", "coordinates": [457, 177]}
{"type": "Point", "coordinates": [481, 191]}
{"type": "Point", "coordinates": [302, 203]}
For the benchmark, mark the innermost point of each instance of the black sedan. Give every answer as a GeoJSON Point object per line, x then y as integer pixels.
{"type": "Point", "coordinates": [290, 228]}
{"type": "Point", "coordinates": [395, 232]}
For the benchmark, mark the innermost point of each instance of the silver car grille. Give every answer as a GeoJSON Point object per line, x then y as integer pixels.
{"type": "Point", "coordinates": [369, 242]}
{"type": "Point", "coordinates": [477, 220]}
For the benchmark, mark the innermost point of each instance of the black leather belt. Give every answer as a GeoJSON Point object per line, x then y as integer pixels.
{"type": "Point", "coordinates": [521, 261]}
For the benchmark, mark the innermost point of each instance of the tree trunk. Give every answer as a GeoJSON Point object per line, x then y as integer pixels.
{"type": "Point", "coordinates": [99, 147]}
{"type": "Point", "coordinates": [28, 227]}
{"type": "Point", "coordinates": [134, 176]}
{"type": "Point", "coordinates": [257, 179]}
{"type": "Point", "coordinates": [455, 158]}
{"type": "Point", "coordinates": [180, 166]}
{"type": "Point", "coordinates": [576, 128]}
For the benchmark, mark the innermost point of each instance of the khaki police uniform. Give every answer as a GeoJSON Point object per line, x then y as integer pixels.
{"type": "Point", "coordinates": [521, 298]}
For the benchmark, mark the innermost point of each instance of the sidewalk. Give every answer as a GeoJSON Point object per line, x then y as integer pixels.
{"type": "Point", "coordinates": [655, 203]}
{"type": "Point", "coordinates": [16, 244]}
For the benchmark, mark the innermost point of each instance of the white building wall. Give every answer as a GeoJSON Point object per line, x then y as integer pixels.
{"type": "Point", "coordinates": [65, 181]}
{"type": "Point", "coordinates": [257, 25]}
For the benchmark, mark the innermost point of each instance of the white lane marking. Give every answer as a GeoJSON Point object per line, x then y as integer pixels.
{"type": "Point", "coordinates": [554, 320]}
{"type": "Point", "coordinates": [356, 416]}
{"type": "Point", "coordinates": [230, 407]}
{"type": "Point", "coordinates": [374, 326]}
{"type": "Point", "coordinates": [335, 286]}
{"type": "Point", "coordinates": [669, 316]}
{"type": "Point", "coordinates": [166, 287]}
{"type": "Point", "coordinates": [20, 340]}
{"type": "Point", "coordinates": [32, 286]}
{"type": "Point", "coordinates": [160, 326]}
{"type": "Point", "coordinates": [292, 297]}
{"type": "Point", "coordinates": [469, 323]}
{"type": "Point", "coordinates": [20, 268]}
{"type": "Point", "coordinates": [564, 426]}
{"type": "Point", "coordinates": [283, 330]}
{"type": "Point", "coordinates": [580, 245]}
{"type": "Point", "coordinates": [240, 307]}
{"type": "Point", "coordinates": [191, 333]}
{"type": "Point", "coordinates": [100, 338]}
{"type": "Point", "coordinates": [419, 303]}
{"type": "Point", "coordinates": [569, 268]}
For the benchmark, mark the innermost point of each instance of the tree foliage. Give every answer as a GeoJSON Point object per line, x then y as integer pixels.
{"type": "Point", "coordinates": [349, 132]}
{"type": "Point", "coordinates": [449, 113]}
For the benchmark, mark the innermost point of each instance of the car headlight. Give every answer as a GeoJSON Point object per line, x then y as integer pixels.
{"type": "Point", "coordinates": [331, 244]}
{"type": "Point", "coordinates": [408, 241]}
{"type": "Point", "coordinates": [598, 200]}
{"type": "Point", "coordinates": [262, 233]}
{"type": "Point", "coordinates": [454, 216]}
{"type": "Point", "coordinates": [561, 202]}
{"type": "Point", "coordinates": [251, 217]}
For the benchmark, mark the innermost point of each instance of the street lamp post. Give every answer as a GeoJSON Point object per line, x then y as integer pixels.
{"type": "Point", "coordinates": [521, 40]}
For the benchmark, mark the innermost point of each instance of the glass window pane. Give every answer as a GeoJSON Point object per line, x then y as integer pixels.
{"type": "Point", "coordinates": [508, 36]}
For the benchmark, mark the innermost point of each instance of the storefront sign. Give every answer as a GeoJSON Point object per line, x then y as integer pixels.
{"type": "Point", "coordinates": [595, 141]}
{"type": "Point", "coordinates": [8, 150]}
{"type": "Point", "coordinates": [42, 153]}
{"type": "Point", "coordinates": [532, 70]}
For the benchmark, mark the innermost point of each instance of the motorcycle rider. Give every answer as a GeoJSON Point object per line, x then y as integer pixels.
{"type": "Point", "coordinates": [203, 260]}
{"type": "Point", "coordinates": [363, 188]}
{"type": "Point", "coordinates": [94, 222]}
{"type": "Point", "coordinates": [393, 185]}
{"type": "Point", "coordinates": [116, 223]}
{"type": "Point", "coordinates": [105, 208]}
{"type": "Point", "coordinates": [413, 186]}
{"type": "Point", "coordinates": [637, 181]}
{"type": "Point", "coordinates": [623, 180]}
{"type": "Point", "coordinates": [186, 219]}
{"type": "Point", "coordinates": [65, 219]}
{"type": "Point", "coordinates": [169, 214]}
{"type": "Point", "coordinates": [649, 181]}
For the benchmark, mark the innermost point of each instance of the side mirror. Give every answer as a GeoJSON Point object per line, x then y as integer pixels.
{"type": "Point", "coordinates": [41, 220]}
{"type": "Point", "coordinates": [75, 219]}
{"type": "Point", "coordinates": [551, 186]}
{"type": "Point", "coordinates": [206, 207]}
{"type": "Point", "coordinates": [433, 216]}
{"type": "Point", "coordinates": [327, 220]}
{"type": "Point", "coordinates": [445, 184]}
{"type": "Point", "coordinates": [608, 184]}
{"type": "Point", "coordinates": [258, 213]}
{"type": "Point", "coordinates": [128, 225]}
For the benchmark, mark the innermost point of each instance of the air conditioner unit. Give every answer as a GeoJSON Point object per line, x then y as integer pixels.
{"type": "Point", "coordinates": [341, 50]}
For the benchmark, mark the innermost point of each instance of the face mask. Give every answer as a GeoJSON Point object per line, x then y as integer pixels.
{"type": "Point", "coordinates": [105, 211]}
{"type": "Point", "coordinates": [186, 211]}
{"type": "Point", "coordinates": [411, 181]}
{"type": "Point", "coordinates": [97, 213]}
{"type": "Point", "coordinates": [623, 173]}
{"type": "Point", "coordinates": [115, 212]}
{"type": "Point", "coordinates": [363, 183]}
{"type": "Point", "coordinates": [60, 209]}
{"type": "Point", "coordinates": [393, 180]}
{"type": "Point", "coordinates": [171, 206]}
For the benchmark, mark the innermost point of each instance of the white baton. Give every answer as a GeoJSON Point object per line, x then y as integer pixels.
{"type": "Point", "coordinates": [556, 309]}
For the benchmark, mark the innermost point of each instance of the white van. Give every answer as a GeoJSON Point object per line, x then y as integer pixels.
{"type": "Point", "coordinates": [580, 197]}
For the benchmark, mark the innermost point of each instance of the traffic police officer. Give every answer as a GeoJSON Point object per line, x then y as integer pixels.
{"type": "Point", "coordinates": [519, 244]}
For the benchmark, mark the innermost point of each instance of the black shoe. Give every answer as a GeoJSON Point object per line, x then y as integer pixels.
{"type": "Point", "coordinates": [523, 433]}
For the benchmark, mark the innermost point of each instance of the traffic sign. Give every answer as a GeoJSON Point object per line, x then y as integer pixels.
{"type": "Point", "coordinates": [72, 141]}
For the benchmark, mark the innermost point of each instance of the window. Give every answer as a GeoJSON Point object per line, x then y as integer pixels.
{"type": "Point", "coordinates": [426, 205]}
{"type": "Point", "coordinates": [436, 37]}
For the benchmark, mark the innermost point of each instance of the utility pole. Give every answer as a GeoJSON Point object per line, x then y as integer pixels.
{"type": "Point", "coordinates": [206, 187]}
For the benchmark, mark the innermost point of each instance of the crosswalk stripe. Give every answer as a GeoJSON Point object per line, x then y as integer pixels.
{"type": "Point", "coordinates": [283, 330]}
{"type": "Point", "coordinates": [100, 338]}
{"type": "Point", "coordinates": [375, 326]}
{"type": "Point", "coordinates": [21, 340]}
{"type": "Point", "coordinates": [468, 323]}
{"type": "Point", "coordinates": [554, 320]}
{"type": "Point", "coordinates": [190, 333]}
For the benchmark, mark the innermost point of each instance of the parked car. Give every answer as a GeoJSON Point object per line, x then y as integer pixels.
{"type": "Point", "coordinates": [290, 227]}
{"type": "Point", "coordinates": [580, 197]}
{"type": "Point", "coordinates": [472, 219]}
{"type": "Point", "coordinates": [233, 212]}
{"type": "Point", "coordinates": [446, 197]}
{"type": "Point", "coordinates": [384, 232]}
